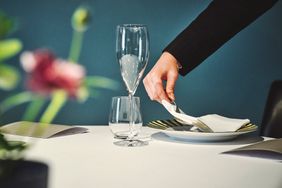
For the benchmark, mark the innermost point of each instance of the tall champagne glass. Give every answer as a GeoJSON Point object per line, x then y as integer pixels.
{"type": "Point", "coordinates": [132, 49]}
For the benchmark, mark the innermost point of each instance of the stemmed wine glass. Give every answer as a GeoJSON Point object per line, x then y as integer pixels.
{"type": "Point", "coordinates": [132, 49]}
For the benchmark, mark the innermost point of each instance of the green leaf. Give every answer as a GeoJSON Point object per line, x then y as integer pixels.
{"type": "Point", "coordinates": [7, 25]}
{"type": "Point", "coordinates": [9, 77]}
{"type": "Point", "coordinates": [11, 149]}
{"type": "Point", "coordinates": [15, 100]}
{"type": "Point", "coordinates": [34, 108]}
{"type": "Point", "coordinates": [101, 82]}
{"type": "Point", "coordinates": [9, 48]}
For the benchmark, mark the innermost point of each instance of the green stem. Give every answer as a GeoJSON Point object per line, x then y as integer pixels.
{"type": "Point", "coordinates": [76, 45]}
{"type": "Point", "coordinates": [34, 108]}
{"type": "Point", "coordinates": [15, 100]}
{"type": "Point", "coordinates": [58, 100]}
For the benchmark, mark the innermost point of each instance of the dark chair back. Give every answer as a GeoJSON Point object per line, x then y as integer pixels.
{"type": "Point", "coordinates": [271, 125]}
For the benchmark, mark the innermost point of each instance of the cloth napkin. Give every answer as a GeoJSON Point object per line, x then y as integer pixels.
{"type": "Point", "coordinates": [40, 130]}
{"type": "Point", "coordinates": [219, 123]}
{"type": "Point", "coordinates": [269, 149]}
{"type": "Point", "coordinates": [215, 122]}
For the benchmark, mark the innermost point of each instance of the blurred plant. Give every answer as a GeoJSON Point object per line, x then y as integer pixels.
{"type": "Point", "coordinates": [9, 76]}
{"type": "Point", "coordinates": [11, 149]}
{"type": "Point", "coordinates": [54, 80]}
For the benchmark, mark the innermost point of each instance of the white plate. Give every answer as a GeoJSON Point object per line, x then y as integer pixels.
{"type": "Point", "coordinates": [244, 139]}
{"type": "Point", "coordinates": [204, 137]}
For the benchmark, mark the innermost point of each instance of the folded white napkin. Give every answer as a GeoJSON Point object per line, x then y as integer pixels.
{"type": "Point", "coordinates": [215, 122]}
{"type": "Point", "coordinates": [219, 123]}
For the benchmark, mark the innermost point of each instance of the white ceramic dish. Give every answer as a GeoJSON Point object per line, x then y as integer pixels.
{"type": "Point", "coordinates": [204, 137]}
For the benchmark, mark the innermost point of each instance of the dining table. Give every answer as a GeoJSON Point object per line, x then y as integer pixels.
{"type": "Point", "coordinates": [92, 160]}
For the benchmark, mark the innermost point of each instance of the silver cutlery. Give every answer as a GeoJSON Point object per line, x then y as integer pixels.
{"type": "Point", "coordinates": [195, 121]}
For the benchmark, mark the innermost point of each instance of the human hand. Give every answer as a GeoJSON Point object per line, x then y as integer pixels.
{"type": "Point", "coordinates": [166, 69]}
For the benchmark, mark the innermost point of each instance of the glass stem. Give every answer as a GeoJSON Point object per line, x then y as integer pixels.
{"type": "Point", "coordinates": [131, 103]}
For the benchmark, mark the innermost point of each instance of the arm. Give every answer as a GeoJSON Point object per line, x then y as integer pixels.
{"type": "Point", "coordinates": [218, 23]}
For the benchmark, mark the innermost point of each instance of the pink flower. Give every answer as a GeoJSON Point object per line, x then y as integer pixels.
{"type": "Point", "coordinates": [46, 73]}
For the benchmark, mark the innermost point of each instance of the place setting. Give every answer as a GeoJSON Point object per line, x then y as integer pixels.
{"type": "Point", "coordinates": [209, 128]}
{"type": "Point", "coordinates": [125, 119]}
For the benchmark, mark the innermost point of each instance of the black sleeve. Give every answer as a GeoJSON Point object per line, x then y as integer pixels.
{"type": "Point", "coordinates": [219, 22]}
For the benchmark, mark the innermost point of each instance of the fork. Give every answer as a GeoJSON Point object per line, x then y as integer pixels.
{"type": "Point", "coordinates": [197, 123]}
{"type": "Point", "coordinates": [176, 107]}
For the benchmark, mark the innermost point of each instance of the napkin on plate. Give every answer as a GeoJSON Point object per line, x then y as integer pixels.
{"type": "Point", "coordinates": [214, 122]}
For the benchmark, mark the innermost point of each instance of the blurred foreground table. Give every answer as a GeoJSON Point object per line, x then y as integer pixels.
{"type": "Point", "coordinates": [91, 160]}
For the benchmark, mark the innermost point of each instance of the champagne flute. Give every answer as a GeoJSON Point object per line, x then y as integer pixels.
{"type": "Point", "coordinates": [132, 49]}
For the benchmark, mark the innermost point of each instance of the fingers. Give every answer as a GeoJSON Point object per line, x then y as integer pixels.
{"type": "Point", "coordinates": [166, 69]}
{"type": "Point", "coordinates": [170, 85]}
{"type": "Point", "coordinates": [154, 88]}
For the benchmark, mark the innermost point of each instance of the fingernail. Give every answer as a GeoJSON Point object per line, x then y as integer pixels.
{"type": "Point", "coordinates": [171, 96]}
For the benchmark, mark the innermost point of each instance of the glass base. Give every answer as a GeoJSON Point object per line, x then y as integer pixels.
{"type": "Point", "coordinates": [131, 143]}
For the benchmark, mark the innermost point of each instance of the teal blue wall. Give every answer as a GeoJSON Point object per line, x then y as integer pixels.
{"type": "Point", "coordinates": [233, 81]}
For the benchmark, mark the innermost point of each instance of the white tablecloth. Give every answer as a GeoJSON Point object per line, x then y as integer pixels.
{"type": "Point", "coordinates": [91, 160]}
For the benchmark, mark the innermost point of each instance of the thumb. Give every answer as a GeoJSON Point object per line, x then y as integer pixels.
{"type": "Point", "coordinates": [170, 84]}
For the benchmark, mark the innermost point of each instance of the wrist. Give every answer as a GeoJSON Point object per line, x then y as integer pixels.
{"type": "Point", "coordinates": [179, 66]}
{"type": "Point", "coordinates": [172, 59]}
